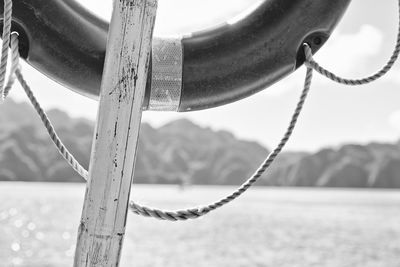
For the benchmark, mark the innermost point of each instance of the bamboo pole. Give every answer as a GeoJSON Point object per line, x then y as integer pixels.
{"type": "Point", "coordinates": [103, 221]}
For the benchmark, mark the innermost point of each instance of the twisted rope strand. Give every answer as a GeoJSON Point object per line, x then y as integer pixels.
{"type": "Point", "coordinates": [50, 129]}
{"type": "Point", "coordinates": [136, 208]}
{"type": "Point", "coordinates": [194, 213]}
{"type": "Point", "coordinates": [16, 69]}
{"type": "Point", "coordinates": [14, 64]}
{"type": "Point", "coordinates": [311, 63]}
{"type": "Point", "coordinates": [4, 50]}
{"type": "Point", "coordinates": [191, 213]}
{"type": "Point", "coordinates": [151, 212]}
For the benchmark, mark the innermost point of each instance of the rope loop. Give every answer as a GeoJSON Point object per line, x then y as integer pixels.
{"type": "Point", "coordinates": [311, 63]}
{"type": "Point", "coordinates": [194, 213]}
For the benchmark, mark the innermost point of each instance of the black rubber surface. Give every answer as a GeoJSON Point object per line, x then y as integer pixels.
{"type": "Point", "coordinates": [66, 42]}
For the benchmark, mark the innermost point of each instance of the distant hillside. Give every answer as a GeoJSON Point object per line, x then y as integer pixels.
{"type": "Point", "coordinates": [181, 152]}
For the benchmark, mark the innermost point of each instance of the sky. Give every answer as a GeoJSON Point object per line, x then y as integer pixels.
{"type": "Point", "coordinates": [333, 114]}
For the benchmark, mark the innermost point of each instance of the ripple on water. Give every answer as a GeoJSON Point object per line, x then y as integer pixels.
{"type": "Point", "coordinates": [3, 215]}
{"type": "Point", "coordinates": [268, 227]}
{"type": "Point", "coordinates": [66, 235]}
{"type": "Point", "coordinates": [31, 226]}
{"type": "Point", "coordinates": [18, 223]}
{"type": "Point", "coordinates": [25, 234]}
{"type": "Point", "coordinates": [39, 235]}
{"type": "Point", "coordinates": [45, 208]}
{"type": "Point", "coordinates": [17, 261]}
{"type": "Point", "coordinates": [28, 253]}
{"type": "Point", "coordinates": [15, 247]}
{"type": "Point", "coordinates": [13, 212]}
{"type": "Point", "coordinates": [70, 252]}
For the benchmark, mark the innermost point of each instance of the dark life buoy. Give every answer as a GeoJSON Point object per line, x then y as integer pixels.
{"type": "Point", "coordinates": [66, 42]}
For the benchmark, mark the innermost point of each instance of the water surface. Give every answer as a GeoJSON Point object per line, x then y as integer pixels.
{"type": "Point", "coordinates": [267, 227]}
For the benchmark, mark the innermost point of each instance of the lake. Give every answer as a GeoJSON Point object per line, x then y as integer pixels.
{"type": "Point", "coordinates": [266, 227]}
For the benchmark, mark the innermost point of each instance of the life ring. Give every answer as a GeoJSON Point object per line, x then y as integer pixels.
{"type": "Point", "coordinates": [205, 69]}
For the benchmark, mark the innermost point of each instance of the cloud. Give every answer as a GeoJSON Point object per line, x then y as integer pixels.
{"type": "Point", "coordinates": [358, 55]}
{"type": "Point", "coordinates": [352, 54]}
{"type": "Point", "coordinates": [287, 85]}
{"type": "Point", "coordinates": [182, 16]}
{"type": "Point", "coordinates": [394, 76]}
{"type": "Point", "coordinates": [394, 120]}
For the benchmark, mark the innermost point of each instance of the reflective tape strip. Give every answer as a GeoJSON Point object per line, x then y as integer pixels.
{"type": "Point", "coordinates": [166, 84]}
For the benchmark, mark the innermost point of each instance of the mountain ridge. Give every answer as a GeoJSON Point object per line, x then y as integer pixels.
{"type": "Point", "coordinates": [181, 152]}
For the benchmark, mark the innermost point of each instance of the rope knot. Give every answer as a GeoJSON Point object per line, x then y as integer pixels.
{"type": "Point", "coordinates": [308, 55]}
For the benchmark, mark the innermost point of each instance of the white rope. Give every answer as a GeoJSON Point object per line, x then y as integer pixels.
{"type": "Point", "coordinates": [185, 214]}
{"type": "Point", "coordinates": [178, 215]}
{"type": "Point", "coordinates": [311, 63]}
{"type": "Point", "coordinates": [4, 52]}
{"type": "Point", "coordinates": [194, 213]}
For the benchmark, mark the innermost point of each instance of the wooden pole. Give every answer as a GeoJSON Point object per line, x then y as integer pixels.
{"type": "Point", "coordinates": [103, 221]}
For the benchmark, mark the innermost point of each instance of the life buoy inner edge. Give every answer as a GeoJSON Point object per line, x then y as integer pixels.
{"type": "Point", "coordinates": [202, 70]}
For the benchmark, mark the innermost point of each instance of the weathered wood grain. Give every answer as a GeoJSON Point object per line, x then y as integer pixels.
{"type": "Point", "coordinates": [103, 221]}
